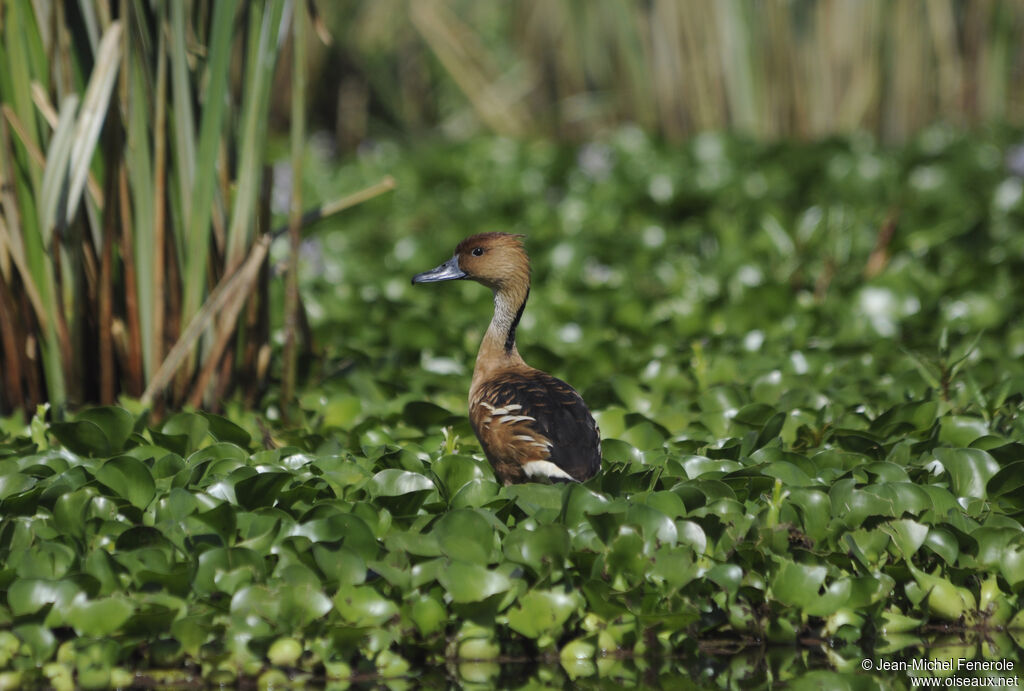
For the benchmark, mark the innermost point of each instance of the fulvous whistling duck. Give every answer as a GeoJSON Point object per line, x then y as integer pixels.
{"type": "Point", "coordinates": [530, 424]}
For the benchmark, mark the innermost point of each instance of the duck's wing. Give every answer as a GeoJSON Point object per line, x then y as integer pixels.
{"type": "Point", "coordinates": [534, 425]}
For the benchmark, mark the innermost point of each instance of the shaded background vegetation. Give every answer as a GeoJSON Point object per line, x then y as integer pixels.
{"type": "Point", "coordinates": [130, 209]}
{"type": "Point", "coordinates": [572, 69]}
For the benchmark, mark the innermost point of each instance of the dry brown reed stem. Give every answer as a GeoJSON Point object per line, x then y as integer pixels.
{"type": "Point", "coordinates": [10, 338]}
{"type": "Point", "coordinates": [135, 376]}
{"type": "Point", "coordinates": [18, 259]}
{"type": "Point", "coordinates": [238, 282]}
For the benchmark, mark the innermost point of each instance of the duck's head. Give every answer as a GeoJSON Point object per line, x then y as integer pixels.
{"type": "Point", "coordinates": [497, 260]}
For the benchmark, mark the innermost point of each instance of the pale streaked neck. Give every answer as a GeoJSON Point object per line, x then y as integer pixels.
{"type": "Point", "coordinates": [498, 348]}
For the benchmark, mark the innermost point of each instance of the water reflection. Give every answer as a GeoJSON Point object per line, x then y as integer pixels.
{"type": "Point", "coordinates": [992, 660]}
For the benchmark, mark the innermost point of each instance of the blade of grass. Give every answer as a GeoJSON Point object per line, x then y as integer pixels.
{"type": "Point", "coordinates": [263, 47]}
{"type": "Point", "coordinates": [298, 136]}
{"type": "Point", "coordinates": [184, 127]}
{"type": "Point", "coordinates": [92, 115]}
{"type": "Point", "coordinates": [146, 261]}
{"type": "Point", "coordinates": [46, 109]}
{"type": "Point", "coordinates": [55, 173]}
{"type": "Point", "coordinates": [197, 230]}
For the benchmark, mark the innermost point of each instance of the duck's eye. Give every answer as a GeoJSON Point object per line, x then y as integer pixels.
{"type": "Point", "coordinates": [477, 251]}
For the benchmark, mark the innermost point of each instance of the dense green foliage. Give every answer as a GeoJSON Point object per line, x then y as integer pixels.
{"type": "Point", "coordinates": [806, 361]}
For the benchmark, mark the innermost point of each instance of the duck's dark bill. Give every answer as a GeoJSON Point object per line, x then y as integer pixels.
{"type": "Point", "coordinates": [449, 271]}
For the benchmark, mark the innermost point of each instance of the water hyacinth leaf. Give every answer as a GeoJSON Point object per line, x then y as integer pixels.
{"type": "Point", "coordinates": [541, 612]}
{"type": "Point", "coordinates": [100, 617]}
{"type": "Point", "coordinates": [221, 519]}
{"type": "Point", "coordinates": [790, 474]}
{"type": "Point", "coordinates": [39, 641]}
{"type": "Point", "coordinates": [969, 469]}
{"type": "Point", "coordinates": [690, 533]}
{"type": "Point", "coordinates": [656, 527]}
{"type": "Point", "coordinates": [261, 490]}
{"type": "Point", "coordinates": [961, 430]}
{"type": "Point", "coordinates": [580, 501]}
{"type": "Point", "coordinates": [340, 565]}
{"type": "Point", "coordinates": [255, 600]}
{"type": "Point", "coordinates": [15, 483]}
{"type": "Point", "coordinates": [910, 416]}
{"type": "Point", "coordinates": [129, 479]}
{"type": "Point", "coordinates": [645, 435]}
{"type": "Point", "coordinates": [393, 483]}
{"type": "Point", "coordinates": [213, 564]}
{"type": "Point", "coordinates": [1011, 565]}
{"type": "Point", "coordinates": [117, 424]}
{"type": "Point", "coordinates": [47, 561]}
{"type": "Point", "coordinates": [1007, 481]}
{"type": "Point", "coordinates": [697, 466]}
{"type": "Point", "coordinates": [424, 414]}
{"type": "Point", "coordinates": [455, 471]}
{"type": "Point", "coordinates": [349, 529]}
{"type": "Point", "coordinates": [427, 614]}
{"type": "Point", "coordinates": [620, 451]}
{"type": "Point", "coordinates": [362, 605]}
{"type": "Point", "coordinates": [943, 543]}
{"type": "Point", "coordinates": [29, 595]}
{"type": "Point", "coordinates": [468, 582]}
{"type": "Point", "coordinates": [797, 585]}
{"type": "Point", "coordinates": [84, 437]}
{"type": "Point", "coordinates": [726, 576]}
{"type": "Point", "coordinates": [539, 549]}
{"type": "Point", "coordinates": [943, 598]}
{"type": "Point", "coordinates": [466, 534]}
{"type": "Point", "coordinates": [675, 566]}
{"type": "Point", "coordinates": [185, 431]}
{"type": "Point", "coordinates": [302, 603]}
{"type": "Point", "coordinates": [475, 493]}
{"type": "Point", "coordinates": [223, 430]}
{"type": "Point", "coordinates": [907, 535]}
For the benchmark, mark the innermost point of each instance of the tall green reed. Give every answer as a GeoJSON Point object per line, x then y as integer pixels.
{"type": "Point", "coordinates": [131, 232]}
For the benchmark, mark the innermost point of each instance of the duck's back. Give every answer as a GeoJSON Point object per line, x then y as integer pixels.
{"type": "Point", "coordinates": [533, 425]}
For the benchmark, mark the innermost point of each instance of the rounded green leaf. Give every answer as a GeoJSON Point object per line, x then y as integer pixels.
{"type": "Point", "coordinates": [393, 483]}
{"type": "Point", "coordinates": [129, 479]}
{"type": "Point", "coordinates": [540, 612]}
{"type": "Point", "coordinates": [84, 437]}
{"type": "Point", "coordinates": [116, 423]}
{"type": "Point", "coordinates": [100, 617]}
{"type": "Point", "coordinates": [468, 582]}
{"type": "Point", "coordinates": [797, 585]}
{"type": "Point", "coordinates": [362, 605]}
{"type": "Point", "coordinates": [466, 534]}
{"type": "Point", "coordinates": [540, 549]}
{"type": "Point", "coordinates": [969, 469]}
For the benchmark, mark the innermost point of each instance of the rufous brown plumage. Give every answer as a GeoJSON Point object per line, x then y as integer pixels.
{"type": "Point", "coordinates": [530, 424]}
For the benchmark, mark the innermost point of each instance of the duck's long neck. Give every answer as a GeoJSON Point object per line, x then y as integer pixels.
{"type": "Point", "coordinates": [498, 349]}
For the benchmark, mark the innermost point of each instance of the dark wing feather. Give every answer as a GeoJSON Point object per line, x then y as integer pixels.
{"type": "Point", "coordinates": [560, 415]}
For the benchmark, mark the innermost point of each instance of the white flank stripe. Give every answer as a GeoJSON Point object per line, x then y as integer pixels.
{"type": "Point", "coordinates": [545, 469]}
{"type": "Point", "coordinates": [516, 418]}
